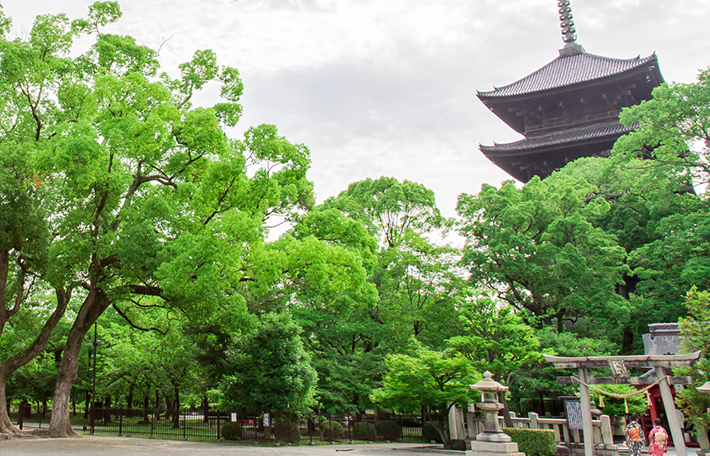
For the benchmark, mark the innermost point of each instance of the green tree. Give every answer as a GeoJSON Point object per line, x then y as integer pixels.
{"type": "Point", "coordinates": [431, 379]}
{"type": "Point", "coordinates": [146, 195]}
{"type": "Point", "coordinates": [695, 332]}
{"type": "Point", "coordinates": [646, 206]}
{"type": "Point", "coordinates": [673, 129]}
{"type": "Point", "coordinates": [271, 369]}
{"type": "Point", "coordinates": [25, 234]}
{"type": "Point", "coordinates": [538, 248]}
{"type": "Point", "coordinates": [497, 340]}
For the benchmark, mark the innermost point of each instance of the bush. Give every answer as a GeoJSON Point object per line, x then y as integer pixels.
{"type": "Point", "coordinates": [232, 431]}
{"type": "Point", "coordinates": [331, 430]}
{"type": "Point", "coordinates": [389, 430]}
{"type": "Point", "coordinates": [430, 431]}
{"type": "Point", "coordinates": [364, 431]}
{"type": "Point", "coordinates": [534, 442]}
{"type": "Point", "coordinates": [287, 430]}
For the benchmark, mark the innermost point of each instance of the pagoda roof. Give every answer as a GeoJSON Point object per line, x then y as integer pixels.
{"type": "Point", "coordinates": [559, 140]}
{"type": "Point", "coordinates": [566, 70]}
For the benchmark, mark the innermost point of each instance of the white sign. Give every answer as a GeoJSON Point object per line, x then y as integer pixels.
{"type": "Point", "coordinates": [267, 419]}
{"type": "Point", "coordinates": [234, 417]}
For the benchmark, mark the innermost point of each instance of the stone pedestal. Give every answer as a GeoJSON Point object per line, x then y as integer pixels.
{"type": "Point", "coordinates": [479, 448]}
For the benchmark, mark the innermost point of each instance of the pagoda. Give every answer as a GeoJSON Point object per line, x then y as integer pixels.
{"type": "Point", "coordinates": [569, 108]}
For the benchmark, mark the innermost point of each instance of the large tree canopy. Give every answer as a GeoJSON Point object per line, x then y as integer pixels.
{"type": "Point", "coordinates": [145, 195]}
{"type": "Point", "coordinates": [539, 249]}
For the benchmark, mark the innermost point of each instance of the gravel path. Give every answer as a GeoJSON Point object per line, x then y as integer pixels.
{"type": "Point", "coordinates": [126, 446]}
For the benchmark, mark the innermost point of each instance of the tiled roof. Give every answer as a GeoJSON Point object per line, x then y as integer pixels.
{"type": "Point", "coordinates": [601, 132]}
{"type": "Point", "coordinates": [568, 70]}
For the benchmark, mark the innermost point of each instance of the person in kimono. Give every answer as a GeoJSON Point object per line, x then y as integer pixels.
{"type": "Point", "coordinates": [634, 436]}
{"type": "Point", "coordinates": [658, 439]}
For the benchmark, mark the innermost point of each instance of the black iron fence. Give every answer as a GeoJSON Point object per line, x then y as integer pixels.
{"type": "Point", "coordinates": [196, 425]}
{"type": "Point", "coordinates": [219, 425]}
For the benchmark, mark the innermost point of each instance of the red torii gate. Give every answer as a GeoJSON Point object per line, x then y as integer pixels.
{"type": "Point", "coordinates": [661, 364]}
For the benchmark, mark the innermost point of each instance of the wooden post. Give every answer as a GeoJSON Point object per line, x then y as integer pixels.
{"type": "Point", "coordinates": [588, 430]}
{"type": "Point", "coordinates": [669, 406]}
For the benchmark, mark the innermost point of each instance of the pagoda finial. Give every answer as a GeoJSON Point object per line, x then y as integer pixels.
{"type": "Point", "coordinates": [569, 33]}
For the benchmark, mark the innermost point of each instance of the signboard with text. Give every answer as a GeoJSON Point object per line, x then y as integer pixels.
{"type": "Point", "coordinates": [573, 411]}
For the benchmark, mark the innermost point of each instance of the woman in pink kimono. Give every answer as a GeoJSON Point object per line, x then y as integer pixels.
{"type": "Point", "coordinates": [658, 438]}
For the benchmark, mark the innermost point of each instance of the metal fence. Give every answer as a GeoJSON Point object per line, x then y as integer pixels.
{"type": "Point", "coordinates": [210, 426]}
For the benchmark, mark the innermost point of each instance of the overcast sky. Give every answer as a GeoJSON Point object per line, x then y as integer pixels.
{"type": "Point", "coordinates": [388, 87]}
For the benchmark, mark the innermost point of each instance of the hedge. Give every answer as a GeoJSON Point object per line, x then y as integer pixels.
{"type": "Point", "coordinates": [534, 442]}
{"type": "Point", "coordinates": [364, 431]}
{"type": "Point", "coordinates": [388, 430]}
{"type": "Point", "coordinates": [232, 431]}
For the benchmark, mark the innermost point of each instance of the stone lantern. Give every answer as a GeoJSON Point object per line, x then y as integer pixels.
{"type": "Point", "coordinates": [492, 441]}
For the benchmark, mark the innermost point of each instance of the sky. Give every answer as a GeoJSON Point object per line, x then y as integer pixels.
{"type": "Point", "coordinates": [388, 87]}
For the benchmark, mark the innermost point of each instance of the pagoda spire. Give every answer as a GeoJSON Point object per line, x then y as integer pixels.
{"type": "Point", "coordinates": [569, 33]}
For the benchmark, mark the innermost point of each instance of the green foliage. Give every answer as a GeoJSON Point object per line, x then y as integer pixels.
{"type": "Point", "coordinates": [364, 431]}
{"type": "Point", "coordinates": [330, 429]}
{"type": "Point", "coordinates": [615, 407]}
{"type": "Point", "coordinates": [695, 333]}
{"type": "Point", "coordinates": [388, 430]}
{"type": "Point", "coordinates": [287, 429]}
{"type": "Point", "coordinates": [496, 339]}
{"type": "Point", "coordinates": [673, 128]}
{"type": "Point", "coordinates": [232, 431]}
{"type": "Point", "coordinates": [426, 378]}
{"type": "Point", "coordinates": [271, 371]}
{"type": "Point", "coordinates": [539, 249]}
{"type": "Point", "coordinates": [432, 379]}
{"type": "Point", "coordinates": [389, 208]}
{"type": "Point", "coordinates": [534, 442]}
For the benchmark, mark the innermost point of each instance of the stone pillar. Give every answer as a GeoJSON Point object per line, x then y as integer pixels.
{"type": "Point", "coordinates": [585, 399]}
{"type": "Point", "coordinates": [607, 436]}
{"type": "Point", "coordinates": [669, 406]}
{"type": "Point", "coordinates": [456, 424]}
{"type": "Point", "coordinates": [534, 424]}
{"type": "Point", "coordinates": [703, 442]}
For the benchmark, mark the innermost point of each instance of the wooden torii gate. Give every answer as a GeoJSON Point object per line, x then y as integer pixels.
{"type": "Point", "coordinates": [661, 365]}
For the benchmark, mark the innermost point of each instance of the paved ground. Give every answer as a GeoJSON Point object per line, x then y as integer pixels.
{"type": "Point", "coordinates": [125, 446]}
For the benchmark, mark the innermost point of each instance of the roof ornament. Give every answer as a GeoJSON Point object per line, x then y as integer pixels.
{"type": "Point", "coordinates": [569, 33]}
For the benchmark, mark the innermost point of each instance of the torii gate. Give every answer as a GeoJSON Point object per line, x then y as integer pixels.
{"type": "Point", "coordinates": [661, 364]}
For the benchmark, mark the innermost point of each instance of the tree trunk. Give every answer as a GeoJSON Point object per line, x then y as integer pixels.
{"type": "Point", "coordinates": [10, 365]}
{"type": "Point", "coordinates": [6, 426]}
{"type": "Point", "coordinates": [176, 410]}
{"type": "Point", "coordinates": [506, 411]}
{"type": "Point", "coordinates": [129, 397]}
{"type": "Point", "coordinates": [92, 307]}
{"type": "Point", "coordinates": [206, 408]}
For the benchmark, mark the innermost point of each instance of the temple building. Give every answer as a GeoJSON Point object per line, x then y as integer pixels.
{"type": "Point", "coordinates": [569, 108]}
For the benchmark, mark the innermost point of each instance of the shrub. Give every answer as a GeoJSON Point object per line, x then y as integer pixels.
{"type": "Point", "coordinates": [534, 442]}
{"type": "Point", "coordinates": [430, 431]}
{"type": "Point", "coordinates": [232, 431]}
{"type": "Point", "coordinates": [364, 431]}
{"type": "Point", "coordinates": [331, 430]}
{"type": "Point", "coordinates": [389, 430]}
{"type": "Point", "coordinates": [287, 430]}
